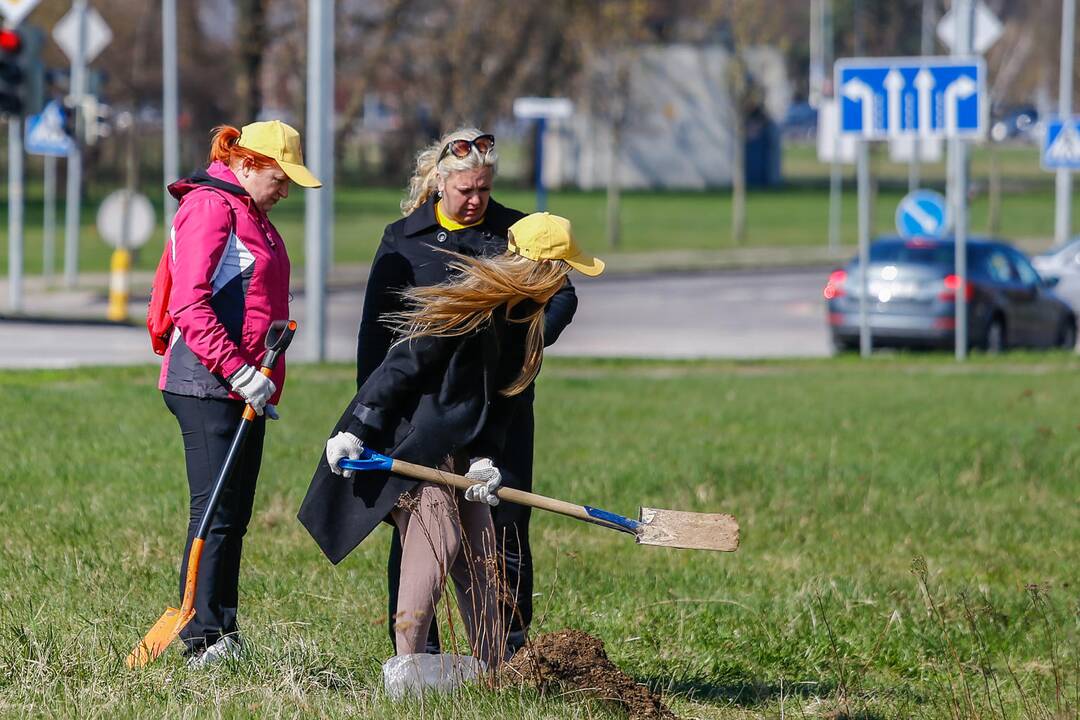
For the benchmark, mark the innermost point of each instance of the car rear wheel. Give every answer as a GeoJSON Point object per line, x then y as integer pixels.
{"type": "Point", "coordinates": [1067, 334]}
{"type": "Point", "coordinates": [995, 336]}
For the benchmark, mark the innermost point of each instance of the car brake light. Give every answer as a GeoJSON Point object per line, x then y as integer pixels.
{"type": "Point", "coordinates": [834, 288]}
{"type": "Point", "coordinates": [952, 284]}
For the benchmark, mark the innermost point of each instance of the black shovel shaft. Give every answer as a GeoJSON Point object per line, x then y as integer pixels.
{"type": "Point", "coordinates": [223, 475]}
{"type": "Point", "coordinates": [277, 340]}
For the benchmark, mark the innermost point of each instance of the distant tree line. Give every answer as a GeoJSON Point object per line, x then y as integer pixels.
{"type": "Point", "coordinates": [436, 63]}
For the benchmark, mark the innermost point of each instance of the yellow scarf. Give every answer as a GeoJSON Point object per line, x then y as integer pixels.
{"type": "Point", "coordinates": [451, 224]}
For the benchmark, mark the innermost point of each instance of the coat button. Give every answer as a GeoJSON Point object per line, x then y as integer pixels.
{"type": "Point", "coordinates": [441, 237]}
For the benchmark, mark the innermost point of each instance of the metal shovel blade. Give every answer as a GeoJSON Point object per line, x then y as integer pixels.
{"type": "Point", "coordinates": [159, 637]}
{"type": "Point", "coordinates": [694, 531]}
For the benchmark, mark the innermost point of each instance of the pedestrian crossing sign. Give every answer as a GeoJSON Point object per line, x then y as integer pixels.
{"type": "Point", "coordinates": [1061, 144]}
{"type": "Point", "coordinates": [45, 133]}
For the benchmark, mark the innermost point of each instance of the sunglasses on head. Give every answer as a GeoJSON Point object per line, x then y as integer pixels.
{"type": "Point", "coordinates": [461, 148]}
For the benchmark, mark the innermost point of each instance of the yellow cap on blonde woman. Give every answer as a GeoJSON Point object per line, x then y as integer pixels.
{"type": "Point", "coordinates": [543, 236]}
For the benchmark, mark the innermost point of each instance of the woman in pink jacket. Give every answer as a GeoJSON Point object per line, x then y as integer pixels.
{"type": "Point", "coordinates": [230, 275]}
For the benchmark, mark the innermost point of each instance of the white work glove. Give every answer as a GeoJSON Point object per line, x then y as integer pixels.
{"type": "Point", "coordinates": [253, 386]}
{"type": "Point", "coordinates": [341, 446]}
{"type": "Point", "coordinates": [487, 477]}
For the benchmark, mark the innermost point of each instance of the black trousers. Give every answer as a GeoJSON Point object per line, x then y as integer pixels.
{"type": "Point", "coordinates": [512, 535]}
{"type": "Point", "coordinates": [208, 426]}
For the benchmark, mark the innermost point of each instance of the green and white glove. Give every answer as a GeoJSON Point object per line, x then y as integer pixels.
{"type": "Point", "coordinates": [488, 479]}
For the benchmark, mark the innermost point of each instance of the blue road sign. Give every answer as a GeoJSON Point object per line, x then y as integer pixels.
{"type": "Point", "coordinates": [45, 132]}
{"type": "Point", "coordinates": [1061, 144]}
{"type": "Point", "coordinates": [923, 213]}
{"type": "Point", "coordinates": [928, 97]}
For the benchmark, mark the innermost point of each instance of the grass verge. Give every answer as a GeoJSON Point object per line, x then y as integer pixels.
{"type": "Point", "coordinates": [909, 544]}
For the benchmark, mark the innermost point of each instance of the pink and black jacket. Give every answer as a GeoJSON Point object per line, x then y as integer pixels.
{"type": "Point", "coordinates": [230, 274]}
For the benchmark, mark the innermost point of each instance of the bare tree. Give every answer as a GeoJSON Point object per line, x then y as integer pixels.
{"type": "Point", "coordinates": [251, 42]}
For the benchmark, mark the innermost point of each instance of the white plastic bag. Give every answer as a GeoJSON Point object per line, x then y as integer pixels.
{"type": "Point", "coordinates": [418, 672]}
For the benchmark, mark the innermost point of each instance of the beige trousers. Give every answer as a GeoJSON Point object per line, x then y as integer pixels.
{"type": "Point", "coordinates": [443, 534]}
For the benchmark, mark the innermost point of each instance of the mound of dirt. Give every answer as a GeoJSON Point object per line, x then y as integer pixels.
{"type": "Point", "coordinates": [572, 659]}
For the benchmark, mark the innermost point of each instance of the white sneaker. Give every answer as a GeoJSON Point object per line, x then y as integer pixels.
{"type": "Point", "coordinates": [227, 648]}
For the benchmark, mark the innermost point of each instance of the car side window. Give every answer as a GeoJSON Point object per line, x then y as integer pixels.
{"type": "Point", "coordinates": [998, 267]}
{"type": "Point", "coordinates": [1026, 273]}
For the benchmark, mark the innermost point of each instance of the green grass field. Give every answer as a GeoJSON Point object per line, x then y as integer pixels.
{"type": "Point", "coordinates": [845, 476]}
{"type": "Point", "coordinates": [793, 216]}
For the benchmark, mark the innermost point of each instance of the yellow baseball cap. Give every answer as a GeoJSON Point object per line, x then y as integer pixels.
{"type": "Point", "coordinates": [280, 142]}
{"type": "Point", "coordinates": [543, 236]}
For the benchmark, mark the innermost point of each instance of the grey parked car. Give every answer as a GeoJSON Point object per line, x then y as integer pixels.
{"type": "Point", "coordinates": [912, 298]}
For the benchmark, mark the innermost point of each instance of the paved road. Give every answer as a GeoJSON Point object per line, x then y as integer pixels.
{"type": "Point", "coordinates": [716, 314]}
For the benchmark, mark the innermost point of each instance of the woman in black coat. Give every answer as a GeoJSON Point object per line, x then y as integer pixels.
{"type": "Point", "coordinates": [449, 208]}
{"type": "Point", "coordinates": [446, 393]}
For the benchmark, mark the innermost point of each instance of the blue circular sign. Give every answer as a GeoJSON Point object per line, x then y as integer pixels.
{"type": "Point", "coordinates": [923, 213]}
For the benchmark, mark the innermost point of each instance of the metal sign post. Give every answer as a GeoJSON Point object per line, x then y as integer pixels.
{"type": "Point", "coordinates": [965, 21]}
{"type": "Point", "coordinates": [541, 191]}
{"type": "Point", "coordinates": [836, 179]}
{"type": "Point", "coordinates": [836, 150]}
{"type": "Point", "coordinates": [318, 202]}
{"type": "Point", "coordinates": [15, 214]}
{"type": "Point", "coordinates": [926, 47]}
{"type": "Point", "coordinates": [48, 234]}
{"type": "Point", "coordinates": [1063, 181]}
{"type": "Point", "coordinates": [74, 169]}
{"type": "Point", "coordinates": [866, 342]}
{"type": "Point", "coordinates": [169, 108]}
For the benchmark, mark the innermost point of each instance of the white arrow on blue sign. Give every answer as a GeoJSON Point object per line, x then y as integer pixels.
{"type": "Point", "coordinates": [923, 213]}
{"type": "Point", "coordinates": [1061, 144]}
{"type": "Point", "coordinates": [45, 132]}
{"type": "Point", "coordinates": [883, 98]}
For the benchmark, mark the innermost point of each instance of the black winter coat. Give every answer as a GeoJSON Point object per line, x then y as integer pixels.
{"type": "Point", "coordinates": [407, 257]}
{"type": "Point", "coordinates": [424, 400]}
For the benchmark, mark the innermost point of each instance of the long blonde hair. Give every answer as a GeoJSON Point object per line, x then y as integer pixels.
{"type": "Point", "coordinates": [425, 179]}
{"type": "Point", "coordinates": [467, 302]}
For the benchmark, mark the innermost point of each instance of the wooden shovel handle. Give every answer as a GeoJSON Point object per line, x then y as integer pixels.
{"type": "Point", "coordinates": [421, 472]}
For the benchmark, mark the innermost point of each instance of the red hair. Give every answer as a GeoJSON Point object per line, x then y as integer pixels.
{"type": "Point", "coordinates": [223, 148]}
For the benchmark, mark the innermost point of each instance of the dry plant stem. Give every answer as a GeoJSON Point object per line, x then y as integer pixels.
{"type": "Point", "coordinates": [482, 594]}
{"type": "Point", "coordinates": [1019, 689]}
{"type": "Point", "coordinates": [515, 608]}
{"type": "Point", "coordinates": [918, 567]}
{"type": "Point", "coordinates": [842, 689]}
{"type": "Point", "coordinates": [985, 665]}
{"type": "Point", "coordinates": [1038, 602]}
